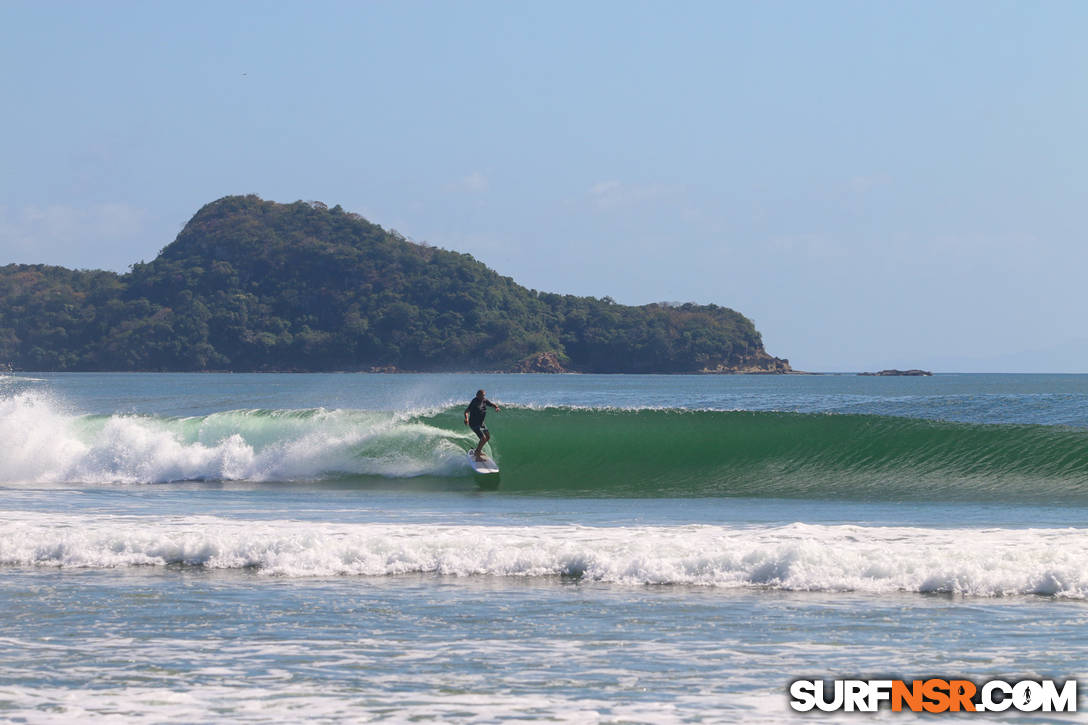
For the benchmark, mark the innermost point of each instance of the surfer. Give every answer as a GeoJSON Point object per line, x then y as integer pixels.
{"type": "Point", "coordinates": [474, 419]}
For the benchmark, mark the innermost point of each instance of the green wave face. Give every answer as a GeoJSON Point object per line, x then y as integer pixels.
{"type": "Point", "coordinates": [714, 453]}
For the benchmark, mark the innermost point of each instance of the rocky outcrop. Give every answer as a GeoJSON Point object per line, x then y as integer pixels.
{"type": "Point", "coordinates": [914, 373]}
{"type": "Point", "coordinates": [541, 362]}
{"type": "Point", "coordinates": [759, 363]}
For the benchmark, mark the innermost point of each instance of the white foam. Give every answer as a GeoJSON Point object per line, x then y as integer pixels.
{"type": "Point", "coordinates": [291, 702]}
{"type": "Point", "coordinates": [39, 442]}
{"type": "Point", "coordinates": [798, 557]}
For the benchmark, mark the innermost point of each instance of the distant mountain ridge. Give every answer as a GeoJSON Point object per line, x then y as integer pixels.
{"type": "Point", "coordinates": [255, 285]}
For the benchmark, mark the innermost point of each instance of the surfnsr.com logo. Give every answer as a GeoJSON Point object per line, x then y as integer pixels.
{"type": "Point", "coordinates": [933, 695]}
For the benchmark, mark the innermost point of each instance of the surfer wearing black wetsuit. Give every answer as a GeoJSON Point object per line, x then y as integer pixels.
{"type": "Point", "coordinates": [474, 419]}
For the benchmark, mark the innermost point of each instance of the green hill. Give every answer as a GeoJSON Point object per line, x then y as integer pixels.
{"type": "Point", "coordinates": [255, 285]}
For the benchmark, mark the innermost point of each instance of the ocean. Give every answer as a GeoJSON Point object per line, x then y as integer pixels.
{"type": "Point", "coordinates": [277, 548]}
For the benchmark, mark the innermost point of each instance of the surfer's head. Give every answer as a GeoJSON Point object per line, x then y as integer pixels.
{"type": "Point", "coordinates": [480, 394]}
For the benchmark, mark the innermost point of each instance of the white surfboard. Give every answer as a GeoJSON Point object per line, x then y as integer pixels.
{"type": "Point", "coordinates": [485, 465]}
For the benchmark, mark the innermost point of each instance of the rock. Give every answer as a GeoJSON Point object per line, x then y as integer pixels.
{"type": "Point", "coordinates": [541, 362]}
{"type": "Point", "coordinates": [759, 363]}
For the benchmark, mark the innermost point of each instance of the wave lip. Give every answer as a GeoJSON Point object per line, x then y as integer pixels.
{"type": "Point", "coordinates": [796, 557]}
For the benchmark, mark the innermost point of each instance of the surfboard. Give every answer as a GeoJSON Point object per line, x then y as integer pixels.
{"type": "Point", "coordinates": [484, 466]}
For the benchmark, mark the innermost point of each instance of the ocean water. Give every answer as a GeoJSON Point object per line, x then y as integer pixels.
{"type": "Point", "coordinates": [276, 548]}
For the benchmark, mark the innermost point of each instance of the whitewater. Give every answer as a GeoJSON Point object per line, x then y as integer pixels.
{"type": "Point", "coordinates": [797, 557]}
{"type": "Point", "coordinates": [44, 445]}
{"type": "Point", "coordinates": [660, 548]}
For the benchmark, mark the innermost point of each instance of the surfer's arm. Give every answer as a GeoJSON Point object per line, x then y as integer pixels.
{"type": "Point", "coordinates": [493, 405]}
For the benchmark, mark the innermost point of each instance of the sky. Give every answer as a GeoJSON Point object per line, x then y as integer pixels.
{"type": "Point", "coordinates": [875, 184]}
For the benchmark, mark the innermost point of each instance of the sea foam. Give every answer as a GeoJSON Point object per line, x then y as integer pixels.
{"type": "Point", "coordinates": [796, 557]}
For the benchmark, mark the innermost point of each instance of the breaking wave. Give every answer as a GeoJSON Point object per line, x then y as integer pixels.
{"type": "Point", "coordinates": [595, 452]}
{"type": "Point", "coordinates": [40, 443]}
{"type": "Point", "coordinates": [795, 557]}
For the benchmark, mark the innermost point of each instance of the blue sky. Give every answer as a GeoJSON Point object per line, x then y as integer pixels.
{"type": "Point", "coordinates": [877, 185]}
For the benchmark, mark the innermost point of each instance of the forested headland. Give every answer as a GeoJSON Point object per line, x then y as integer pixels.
{"type": "Point", "coordinates": [253, 285]}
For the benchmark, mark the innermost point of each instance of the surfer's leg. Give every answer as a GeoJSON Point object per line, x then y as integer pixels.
{"type": "Point", "coordinates": [485, 436]}
{"type": "Point", "coordinates": [482, 434]}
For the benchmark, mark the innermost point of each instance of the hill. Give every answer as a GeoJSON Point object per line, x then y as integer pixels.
{"type": "Point", "coordinates": [254, 285]}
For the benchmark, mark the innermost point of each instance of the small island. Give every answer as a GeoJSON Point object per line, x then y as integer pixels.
{"type": "Point", "coordinates": [254, 285]}
{"type": "Point", "coordinates": [910, 373]}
